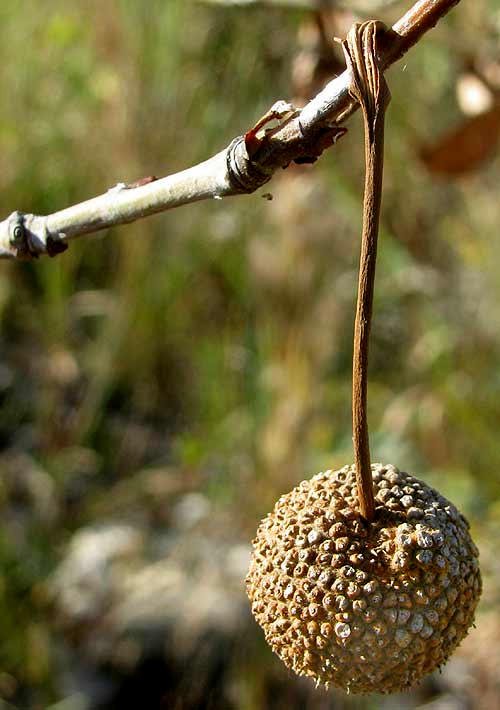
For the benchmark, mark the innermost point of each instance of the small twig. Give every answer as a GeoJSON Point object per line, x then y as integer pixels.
{"type": "Point", "coordinates": [302, 138]}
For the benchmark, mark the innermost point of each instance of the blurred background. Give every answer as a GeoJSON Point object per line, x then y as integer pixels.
{"type": "Point", "coordinates": [162, 383]}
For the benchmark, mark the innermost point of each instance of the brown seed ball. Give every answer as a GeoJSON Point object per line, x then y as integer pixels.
{"type": "Point", "coordinates": [366, 608]}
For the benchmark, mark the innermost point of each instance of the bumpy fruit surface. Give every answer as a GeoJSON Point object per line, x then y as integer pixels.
{"type": "Point", "coordinates": [364, 608]}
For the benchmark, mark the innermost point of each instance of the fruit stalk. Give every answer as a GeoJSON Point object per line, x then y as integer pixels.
{"type": "Point", "coordinates": [370, 89]}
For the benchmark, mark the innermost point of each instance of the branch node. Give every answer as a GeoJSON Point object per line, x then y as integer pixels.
{"type": "Point", "coordinates": [17, 232]}
{"type": "Point", "coordinates": [29, 237]}
{"type": "Point", "coordinates": [244, 174]}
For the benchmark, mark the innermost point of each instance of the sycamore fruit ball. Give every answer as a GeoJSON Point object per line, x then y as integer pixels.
{"type": "Point", "coordinates": [367, 608]}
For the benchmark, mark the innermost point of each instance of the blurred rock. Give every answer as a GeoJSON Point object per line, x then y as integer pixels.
{"type": "Point", "coordinates": [84, 583]}
{"type": "Point", "coordinates": [129, 599]}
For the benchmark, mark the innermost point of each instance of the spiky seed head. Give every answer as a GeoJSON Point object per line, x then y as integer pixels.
{"type": "Point", "coordinates": [366, 608]}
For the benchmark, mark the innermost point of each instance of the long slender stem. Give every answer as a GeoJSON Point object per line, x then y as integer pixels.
{"type": "Point", "coordinates": [371, 207]}
{"type": "Point", "coordinates": [370, 89]}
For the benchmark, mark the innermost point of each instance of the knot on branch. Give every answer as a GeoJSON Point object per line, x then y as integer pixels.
{"type": "Point", "coordinates": [277, 150]}
{"type": "Point", "coordinates": [245, 175]}
{"type": "Point", "coordinates": [30, 238]}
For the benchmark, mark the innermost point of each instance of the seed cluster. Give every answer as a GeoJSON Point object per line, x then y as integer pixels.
{"type": "Point", "coordinates": [364, 608]}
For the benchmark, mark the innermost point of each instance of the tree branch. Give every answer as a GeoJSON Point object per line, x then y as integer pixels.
{"type": "Point", "coordinates": [244, 166]}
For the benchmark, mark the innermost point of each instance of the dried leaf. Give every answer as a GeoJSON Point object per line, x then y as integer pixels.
{"type": "Point", "coordinates": [465, 148]}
